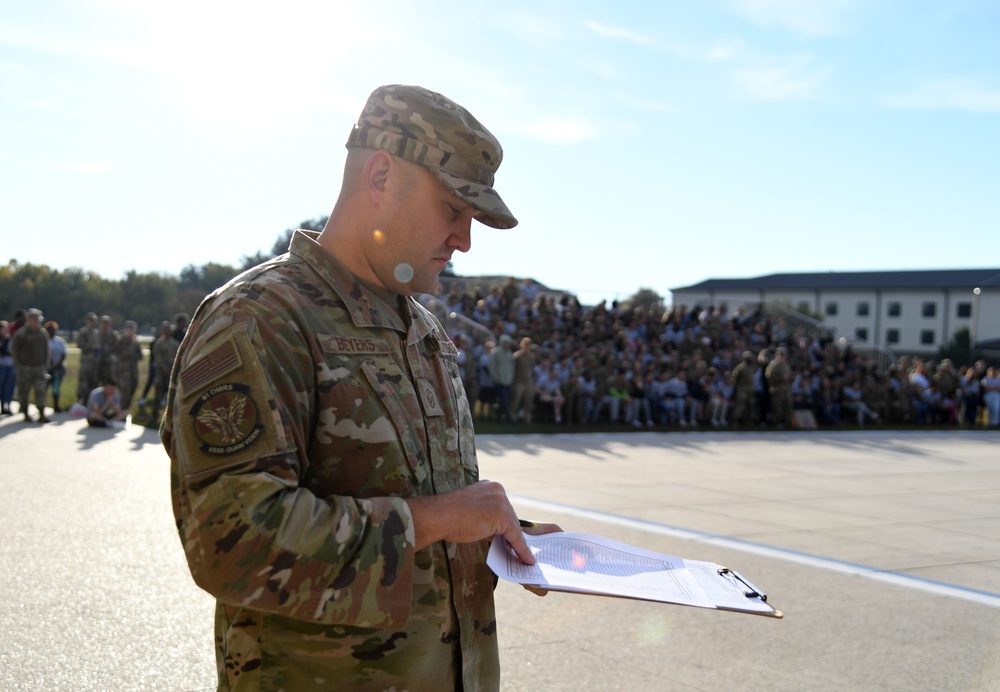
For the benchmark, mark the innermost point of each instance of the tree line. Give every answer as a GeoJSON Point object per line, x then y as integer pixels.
{"type": "Point", "coordinates": [66, 295]}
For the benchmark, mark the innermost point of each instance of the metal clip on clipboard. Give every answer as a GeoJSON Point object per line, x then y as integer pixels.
{"type": "Point", "coordinates": [751, 591]}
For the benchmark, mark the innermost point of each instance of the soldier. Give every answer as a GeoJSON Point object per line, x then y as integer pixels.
{"type": "Point", "coordinates": [30, 351]}
{"type": "Point", "coordinates": [127, 356]}
{"type": "Point", "coordinates": [163, 352]}
{"type": "Point", "coordinates": [324, 473]}
{"type": "Point", "coordinates": [523, 388]}
{"type": "Point", "coordinates": [743, 376]}
{"type": "Point", "coordinates": [108, 340]}
{"type": "Point", "coordinates": [779, 386]}
{"type": "Point", "coordinates": [89, 343]}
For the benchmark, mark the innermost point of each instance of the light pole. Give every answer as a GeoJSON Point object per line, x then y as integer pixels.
{"type": "Point", "coordinates": [975, 320]}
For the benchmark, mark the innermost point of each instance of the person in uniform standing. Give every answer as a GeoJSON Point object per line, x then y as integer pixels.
{"type": "Point", "coordinates": [89, 344]}
{"type": "Point", "coordinates": [128, 355]}
{"type": "Point", "coordinates": [108, 340]}
{"type": "Point", "coordinates": [324, 473]}
{"type": "Point", "coordinates": [778, 375]}
{"type": "Point", "coordinates": [164, 351]}
{"type": "Point", "coordinates": [522, 396]}
{"type": "Point", "coordinates": [30, 351]}
{"type": "Point", "coordinates": [743, 389]}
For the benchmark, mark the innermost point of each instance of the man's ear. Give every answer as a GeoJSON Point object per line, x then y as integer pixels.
{"type": "Point", "coordinates": [378, 169]}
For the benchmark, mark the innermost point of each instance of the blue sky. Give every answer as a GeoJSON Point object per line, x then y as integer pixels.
{"type": "Point", "coordinates": [647, 144]}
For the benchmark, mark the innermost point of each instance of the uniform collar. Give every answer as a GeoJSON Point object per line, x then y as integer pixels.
{"type": "Point", "coordinates": [366, 308]}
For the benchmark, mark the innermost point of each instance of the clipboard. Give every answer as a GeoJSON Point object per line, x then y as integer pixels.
{"type": "Point", "coordinates": [589, 564]}
{"type": "Point", "coordinates": [749, 590]}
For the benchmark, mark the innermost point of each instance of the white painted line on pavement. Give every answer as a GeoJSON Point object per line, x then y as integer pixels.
{"type": "Point", "coordinates": [896, 579]}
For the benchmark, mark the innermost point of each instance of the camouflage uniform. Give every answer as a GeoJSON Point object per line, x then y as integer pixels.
{"type": "Point", "coordinates": [29, 350]}
{"type": "Point", "coordinates": [743, 375]}
{"type": "Point", "coordinates": [127, 356]}
{"type": "Point", "coordinates": [779, 382]}
{"type": "Point", "coordinates": [164, 352]}
{"type": "Point", "coordinates": [108, 339]}
{"type": "Point", "coordinates": [302, 410]}
{"type": "Point", "coordinates": [89, 342]}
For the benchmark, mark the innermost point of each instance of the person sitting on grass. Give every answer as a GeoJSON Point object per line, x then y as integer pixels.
{"type": "Point", "coordinates": [104, 406]}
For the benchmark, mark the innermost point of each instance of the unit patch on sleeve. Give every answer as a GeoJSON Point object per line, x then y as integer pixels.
{"type": "Point", "coordinates": [226, 419]}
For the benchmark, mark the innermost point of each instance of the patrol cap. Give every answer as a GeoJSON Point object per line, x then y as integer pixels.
{"type": "Point", "coordinates": [105, 318]}
{"type": "Point", "coordinates": [90, 316]}
{"type": "Point", "coordinates": [35, 314]}
{"type": "Point", "coordinates": [130, 324]}
{"type": "Point", "coordinates": [427, 128]}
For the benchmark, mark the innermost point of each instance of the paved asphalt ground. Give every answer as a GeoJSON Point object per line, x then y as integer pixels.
{"type": "Point", "coordinates": [881, 548]}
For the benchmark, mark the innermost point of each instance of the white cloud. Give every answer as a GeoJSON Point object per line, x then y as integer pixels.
{"type": "Point", "coordinates": [236, 67]}
{"type": "Point", "coordinates": [812, 17]}
{"type": "Point", "coordinates": [617, 33]}
{"type": "Point", "coordinates": [949, 94]}
{"type": "Point", "coordinates": [722, 51]}
{"type": "Point", "coordinates": [785, 81]}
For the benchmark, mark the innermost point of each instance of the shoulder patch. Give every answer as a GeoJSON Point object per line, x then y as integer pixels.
{"type": "Point", "coordinates": [220, 361]}
{"type": "Point", "coordinates": [226, 419]}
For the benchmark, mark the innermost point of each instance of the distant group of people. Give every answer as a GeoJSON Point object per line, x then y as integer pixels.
{"type": "Point", "coordinates": [640, 367]}
{"type": "Point", "coordinates": [33, 359]}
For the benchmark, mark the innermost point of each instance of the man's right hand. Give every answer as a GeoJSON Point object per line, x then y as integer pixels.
{"type": "Point", "coordinates": [471, 514]}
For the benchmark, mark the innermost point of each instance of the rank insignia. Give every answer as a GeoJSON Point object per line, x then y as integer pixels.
{"type": "Point", "coordinates": [226, 419]}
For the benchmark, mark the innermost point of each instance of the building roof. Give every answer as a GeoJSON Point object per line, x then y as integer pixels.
{"type": "Point", "coordinates": [965, 279]}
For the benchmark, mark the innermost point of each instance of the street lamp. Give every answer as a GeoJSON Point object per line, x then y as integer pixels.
{"type": "Point", "coordinates": [975, 320]}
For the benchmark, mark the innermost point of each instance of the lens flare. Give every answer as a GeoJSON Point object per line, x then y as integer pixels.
{"type": "Point", "coordinates": [379, 236]}
{"type": "Point", "coordinates": [404, 272]}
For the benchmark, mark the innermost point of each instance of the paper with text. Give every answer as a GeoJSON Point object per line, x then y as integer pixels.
{"type": "Point", "coordinates": [586, 563]}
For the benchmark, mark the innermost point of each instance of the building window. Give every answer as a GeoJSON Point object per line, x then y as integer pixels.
{"type": "Point", "coordinates": [861, 333]}
{"type": "Point", "coordinates": [929, 310]}
{"type": "Point", "coordinates": [894, 309]}
{"type": "Point", "coordinates": [863, 308]}
{"type": "Point", "coordinates": [831, 309]}
{"type": "Point", "coordinates": [963, 310]}
{"type": "Point", "coordinates": [892, 336]}
{"type": "Point", "coordinates": [927, 337]}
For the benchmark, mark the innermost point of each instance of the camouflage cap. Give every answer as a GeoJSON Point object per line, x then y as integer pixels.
{"type": "Point", "coordinates": [90, 316]}
{"type": "Point", "coordinates": [427, 128]}
{"type": "Point", "coordinates": [35, 314]}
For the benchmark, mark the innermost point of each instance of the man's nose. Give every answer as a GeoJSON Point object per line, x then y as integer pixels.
{"type": "Point", "coordinates": [461, 236]}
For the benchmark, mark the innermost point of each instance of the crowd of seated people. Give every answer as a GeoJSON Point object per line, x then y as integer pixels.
{"type": "Point", "coordinates": [642, 367]}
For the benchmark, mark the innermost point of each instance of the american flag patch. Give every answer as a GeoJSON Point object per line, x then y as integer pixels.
{"type": "Point", "coordinates": [222, 360]}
